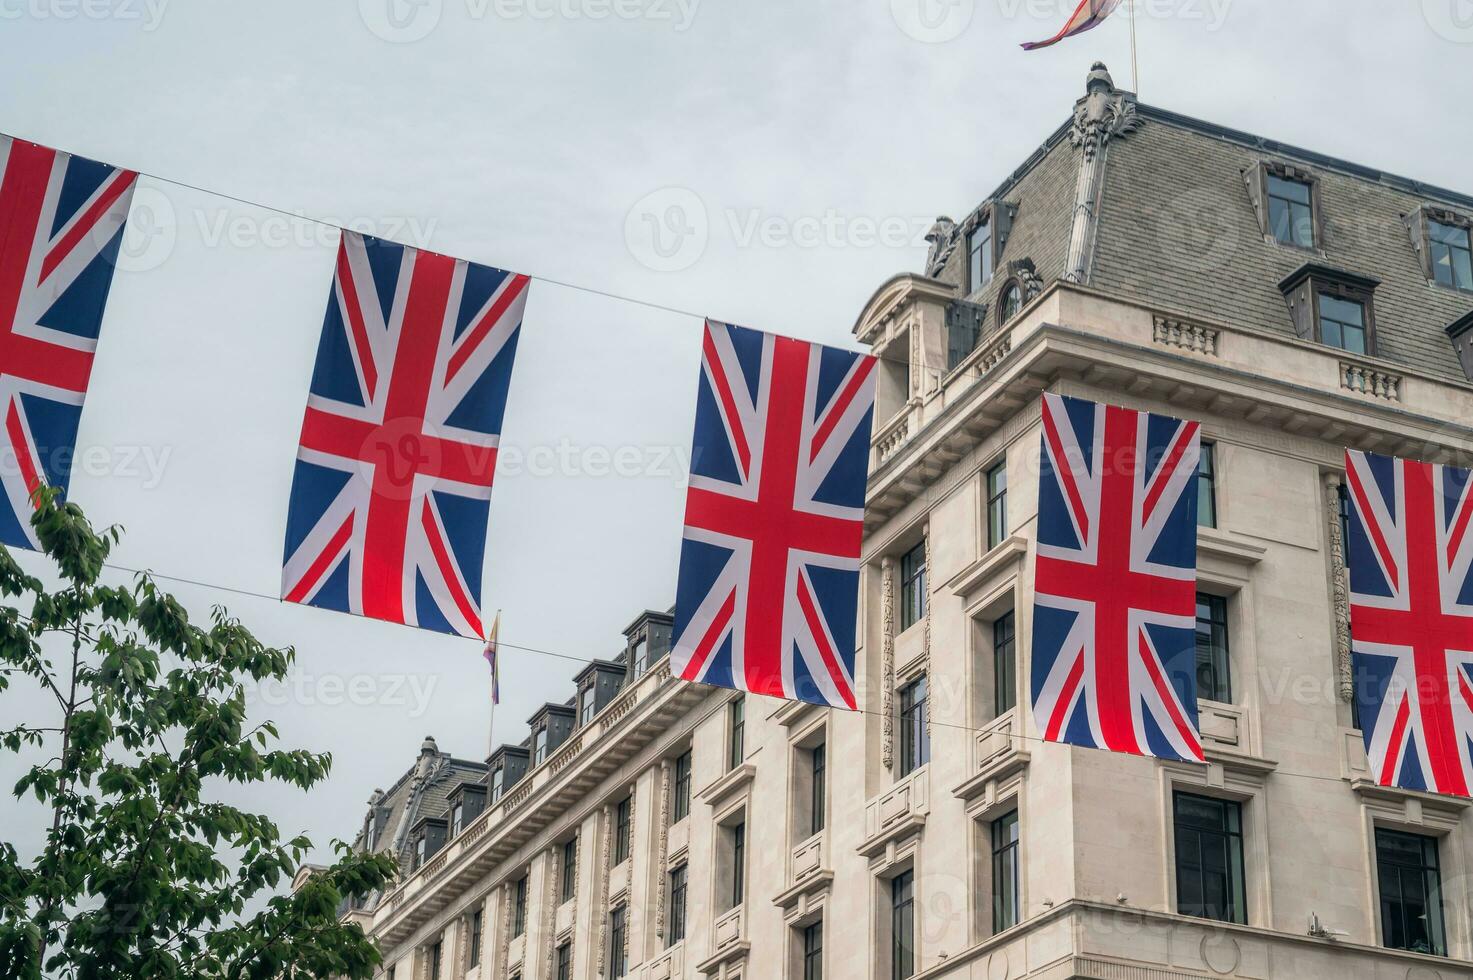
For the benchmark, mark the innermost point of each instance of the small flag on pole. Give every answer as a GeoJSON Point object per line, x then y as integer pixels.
{"type": "Point", "coordinates": [1086, 16]}
{"type": "Point", "coordinates": [490, 655]}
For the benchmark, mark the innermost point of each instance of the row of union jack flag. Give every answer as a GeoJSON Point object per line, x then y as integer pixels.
{"type": "Point", "coordinates": [390, 496]}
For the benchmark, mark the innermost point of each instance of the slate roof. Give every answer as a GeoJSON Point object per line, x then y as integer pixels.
{"type": "Point", "coordinates": [412, 798]}
{"type": "Point", "coordinates": [1177, 230]}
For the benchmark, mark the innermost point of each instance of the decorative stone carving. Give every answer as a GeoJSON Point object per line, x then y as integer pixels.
{"type": "Point", "coordinates": [503, 941]}
{"type": "Point", "coordinates": [1368, 381]}
{"type": "Point", "coordinates": [1340, 589]}
{"type": "Point", "coordinates": [887, 662]}
{"type": "Point", "coordinates": [1102, 114]}
{"type": "Point", "coordinates": [549, 911]}
{"type": "Point", "coordinates": [663, 846]}
{"type": "Point", "coordinates": [926, 628]}
{"type": "Point", "coordinates": [1195, 337]}
{"type": "Point", "coordinates": [601, 909]}
{"type": "Point", "coordinates": [1026, 273]}
{"type": "Point", "coordinates": [943, 236]}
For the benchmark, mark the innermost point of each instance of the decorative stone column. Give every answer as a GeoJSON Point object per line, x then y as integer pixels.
{"type": "Point", "coordinates": [926, 635]}
{"type": "Point", "coordinates": [662, 849]}
{"type": "Point", "coordinates": [1340, 590]}
{"type": "Point", "coordinates": [601, 930]}
{"type": "Point", "coordinates": [1102, 114]}
{"type": "Point", "coordinates": [887, 663]}
{"type": "Point", "coordinates": [503, 941]}
{"type": "Point", "coordinates": [549, 911]}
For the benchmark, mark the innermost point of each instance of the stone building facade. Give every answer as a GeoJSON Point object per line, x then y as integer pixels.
{"type": "Point", "coordinates": [1296, 305]}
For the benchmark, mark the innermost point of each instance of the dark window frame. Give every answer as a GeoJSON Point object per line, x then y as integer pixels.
{"type": "Point", "coordinates": [1452, 249]}
{"type": "Point", "coordinates": [1216, 659]}
{"type": "Point", "coordinates": [473, 955]}
{"type": "Point", "coordinates": [587, 703]}
{"type": "Point", "coordinates": [736, 733]}
{"type": "Point", "coordinates": [981, 261]}
{"type": "Point", "coordinates": [568, 886]}
{"type": "Point", "coordinates": [913, 586]}
{"type": "Point", "coordinates": [623, 829]}
{"type": "Point", "coordinates": [817, 788]}
{"type": "Point", "coordinates": [519, 907]}
{"type": "Point", "coordinates": [995, 483]}
{"type": "Point", "coordinates": [680, 809]}
{"type": "Point", "coordinates": [915, 735]}
{"type": "Point", "coordinates": [540, 740]}
{"type": "Point", "coordinates": [679, 882]}
{"type": "Point", "coordinates": [564, 962]}
{"type": "Point", "coordinates": [1304, 287]}
{"type": "Point", "coordinates": [1291, 205]}
{"type": "Point", "coordinates": [902, 926]}
{"type": "Point", "coordinates": [812, 953]}
{"type": "Point", "coordinates": [1398, 928]}
{"type": "Point", "coordinates": [1011, 290]}
{"type": "Point", "coordinates": [1004, 663]}
{"type": "Point", "coordinates": [1228, 837]}
{"type": "Point", "coordinates": [738, 832]}
{"type": "Point", "coordinates": [1207, 485]}
{"type": "Point", "coordinates": [1006, 832]}
{"type": "Point", "coordinates": [618, 942]}
{"type": "Point", "coordinates": [437, 957]}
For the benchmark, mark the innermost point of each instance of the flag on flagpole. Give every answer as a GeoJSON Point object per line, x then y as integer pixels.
{"type": "Point", "coordinates": [490, 654]}
{"type": "Point", "coordinates": [1087, 16]}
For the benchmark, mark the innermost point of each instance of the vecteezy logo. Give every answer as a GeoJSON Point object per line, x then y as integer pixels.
{"type": "Point", "coordinates": [150, 234]}
{"type": "Point", "coordinates": [1451, 19]}
{"type": "Point", "coordinates": [667, 230]}
{"type": "Point", "coordinates": [932, 21]}
{"type": "Point", "coordinates": [400, 21]}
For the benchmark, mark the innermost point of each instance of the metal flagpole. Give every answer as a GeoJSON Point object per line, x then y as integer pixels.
{"type": "Point", "coordinates": [493, 657]}
{"type": "Point", "coordinates": [1135, 79]}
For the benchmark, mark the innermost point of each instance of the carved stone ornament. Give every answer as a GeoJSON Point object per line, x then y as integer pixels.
{"type": "Point", "coordinates": [1026, 273]}
{"type": "Point", "coordinates": [926, 635]}
{"type": "Point", "coordinates": [1102, 114]}
{"type": "Point", "coordinates": [503, 941]}
{"type": "Point", "coordinates": [943, 237]}
{"type": "Point", "coordinates": [549, 912]}
{"type": "Point", "coordinates": [601, 909]}
{"type": "Point", "coordinates": [664, 846]}
{"type": "Point", "coordinates": [887, 663]}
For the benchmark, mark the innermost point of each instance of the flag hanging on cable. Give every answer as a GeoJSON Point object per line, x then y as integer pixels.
{"type": "Point", "coordinates": [493, 658]}
{"type": "Point", "coordinates": [61, 225]}
{"type": "Point", "coordinates": [1087, 16]}
{"type": "Point", "coordinates": [768, 587]}
{"type": "Point", "coordinates": [1410, 552]}
{"type": "Point", "coordinates": [392, 487]}
{"type": "Point", "coordinates": [1115, 580]}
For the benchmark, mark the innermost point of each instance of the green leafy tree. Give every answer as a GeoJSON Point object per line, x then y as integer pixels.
{"type": "Point", "coordinates": [142, 874]}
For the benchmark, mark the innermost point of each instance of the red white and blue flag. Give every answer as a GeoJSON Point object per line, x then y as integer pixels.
{"type": "Point", "coordinates": [1410, 552]}
{"type": "Point", "coordinates": [61, 225]}
{"type": "Point", "coordinates": [1087, 16]}
{"type": "Point", "coordinates": [392, 488]}
{"type": "Point", "coordinates": [1114, 613]}
{"type": "Point", "coordinates": [768, 588]}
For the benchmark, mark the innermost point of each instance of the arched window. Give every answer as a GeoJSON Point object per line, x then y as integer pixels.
{"type": "Point", "coordinates": [1011, 303]}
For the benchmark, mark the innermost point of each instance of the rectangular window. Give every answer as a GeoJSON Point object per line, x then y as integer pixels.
{"type": "Point", "coordinates": [437, 955]}
{"type": "Point", "coordinates": [457, 819]}
{"type": "Point", "coordinates": [678, 878]}
{"type": "Point", "coordinates": [1291, 211]}
{"type": "Point", "coordinates": [1214, 673]}
{"type": "Point", "coordinates": [1209, 858]}
{"type": "Point", "coordinates": [915, 735]}
{"type": "Point", "coordinates": [623, 813]}
{"type": "Point", "coordinates": [1451, 254]}
{"type": "Point", "coordinates": [1343, 323]}
{"type": "Point", "coordinates": [682, 787]}
{"type": "Point", "coordinates": [1207, 486]}
{"type": "Point", "coordinates": [1004, 664]}
{"type": "Point", "coordinates": [565, 961]}
{"type": "Point", "coordinates": [539, 747]}
{"type": "Point", "coordinates": [519, 907]}
{"type": "Point", "coordinates": [979, 256]}
{"type": "Point", "coordinates": [997, 504]}
{"type": "Point", "coordinates": [496, 784]}
{"type": "Point", "coordinates": [1410, 877]}
{"type": "Point", "coordinates": [1006, 890]}
{"type": "Point", "coordinates": [618, 951]}
{"type": "Point", "coordinates": [738, 863]}
{"type": "Point", "coordinates": [913, 586]}
{"type": "Point", "coordinates": [736, 725]}
{"type": "Point", "coordinates": [902, 926]}
{"type": "Point", "coordinates": [421, 849]}
{"type": "Point", "coordinates": [474, 954]}
{"type": "Point", "coordinates": [813, 952]}
{"type": "Point", "coordinates": [818, 795]}
{"type": "Point", "coordinates": [641, 657]}
{"type": "Point", "coordinates": [586, 703]}
{"type": "Point", "coordinates": [570, 869]}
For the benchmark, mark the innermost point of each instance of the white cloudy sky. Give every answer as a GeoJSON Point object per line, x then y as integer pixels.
{"type": "Point", "coordinates": [545, 136]}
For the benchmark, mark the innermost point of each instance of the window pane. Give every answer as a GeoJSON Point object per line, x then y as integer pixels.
{"type": "Point", "coordinates": [1213, 662]}
{"type": "Point", "coordinates": [1410, 880]}
{"type": "Point", "coordinates": [915, 737]}
{"type": "Point", "coordinates": [913, 586]}
{"type": "Point", "coordinates": [980, 256]}
{"type": "Point", "coordinates": [1004, 660]}
{"type": "Point", "coordinates": [1209, 858]}
{"type": "Point", "coordinates": [818, 800]}
{"type": "Point", "coordinates": [997, 504]}
{"type": "Point", "coordinates": [1207, 487]}
{"type": "Point", "coordinates": [902, 926]}
{"type": "Point", "coordinates": [1342, 323]}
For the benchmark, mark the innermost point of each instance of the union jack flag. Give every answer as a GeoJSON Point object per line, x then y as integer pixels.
{"type": "Point", "coordinates": [1411, 619]}
{"type": "Point", "coordinates": [769, 567]}
{"type": "Point", "coordinates": [392, 487]}
{"type": "Point", "coordinates": [61, 224]}
{"type": "Point", "coordinates": [1114, 612]}
{"type": "Point", "coordinates": [1086, 17]}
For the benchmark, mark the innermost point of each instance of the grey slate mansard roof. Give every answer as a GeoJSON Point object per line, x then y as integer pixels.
{"type": "Point", "coordinates": [423, 791]}
{"type": "Point", "coordinates": [1177, 230]}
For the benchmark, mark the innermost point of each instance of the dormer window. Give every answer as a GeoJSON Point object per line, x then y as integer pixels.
{"type": "Point", "coordinates": [457, 818]}
{"type": "Point", "coordinates": [1333, 307]}
{"type": "Point", "coordinates": [421, 849]}
{"type": "Point", "coordinates": [980, 257]}
{"type": "Point", "coordinates": [1450, 249]}
{"type": "Point", "coordinates": [641, 657]}
{"type": "Point", "coordinates": [1291, 210]}
{"type": "Point", "coordinates": [539, 747]}
{"type": "Point", "coordinates": [586, 705]}
{"type": "Point", "coordinates": [1011, 303]}
{"type": "Point", "coordinates": [497, 784]}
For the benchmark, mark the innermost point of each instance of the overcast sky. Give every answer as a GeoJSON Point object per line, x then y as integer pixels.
{"type": "Point", "coordinates": [767, 163]}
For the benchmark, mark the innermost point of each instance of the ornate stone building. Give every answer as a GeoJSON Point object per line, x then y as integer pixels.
{"type": "Point", "coordinates": [1295, 304]}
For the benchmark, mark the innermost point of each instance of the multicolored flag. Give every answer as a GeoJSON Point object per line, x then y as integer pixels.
{"type": "Point", "coordinates": [492, 656]}
{"type": "Point", "coordinates": [1114, 610]}
{"type": "Point", "coordinates": [1410, 552]}
{"type": "Point", "coordinates": [61, 225]}
{"type": "Point", "coordinates": [768, 588]}
{"type": "Point", "coordinates": [392, 487]}
{"type": "Point", "coordinates": [1087, 16]}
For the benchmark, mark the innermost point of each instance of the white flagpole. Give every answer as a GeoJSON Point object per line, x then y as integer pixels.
{"type": "Point", "coordinates": [1135, 78]}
